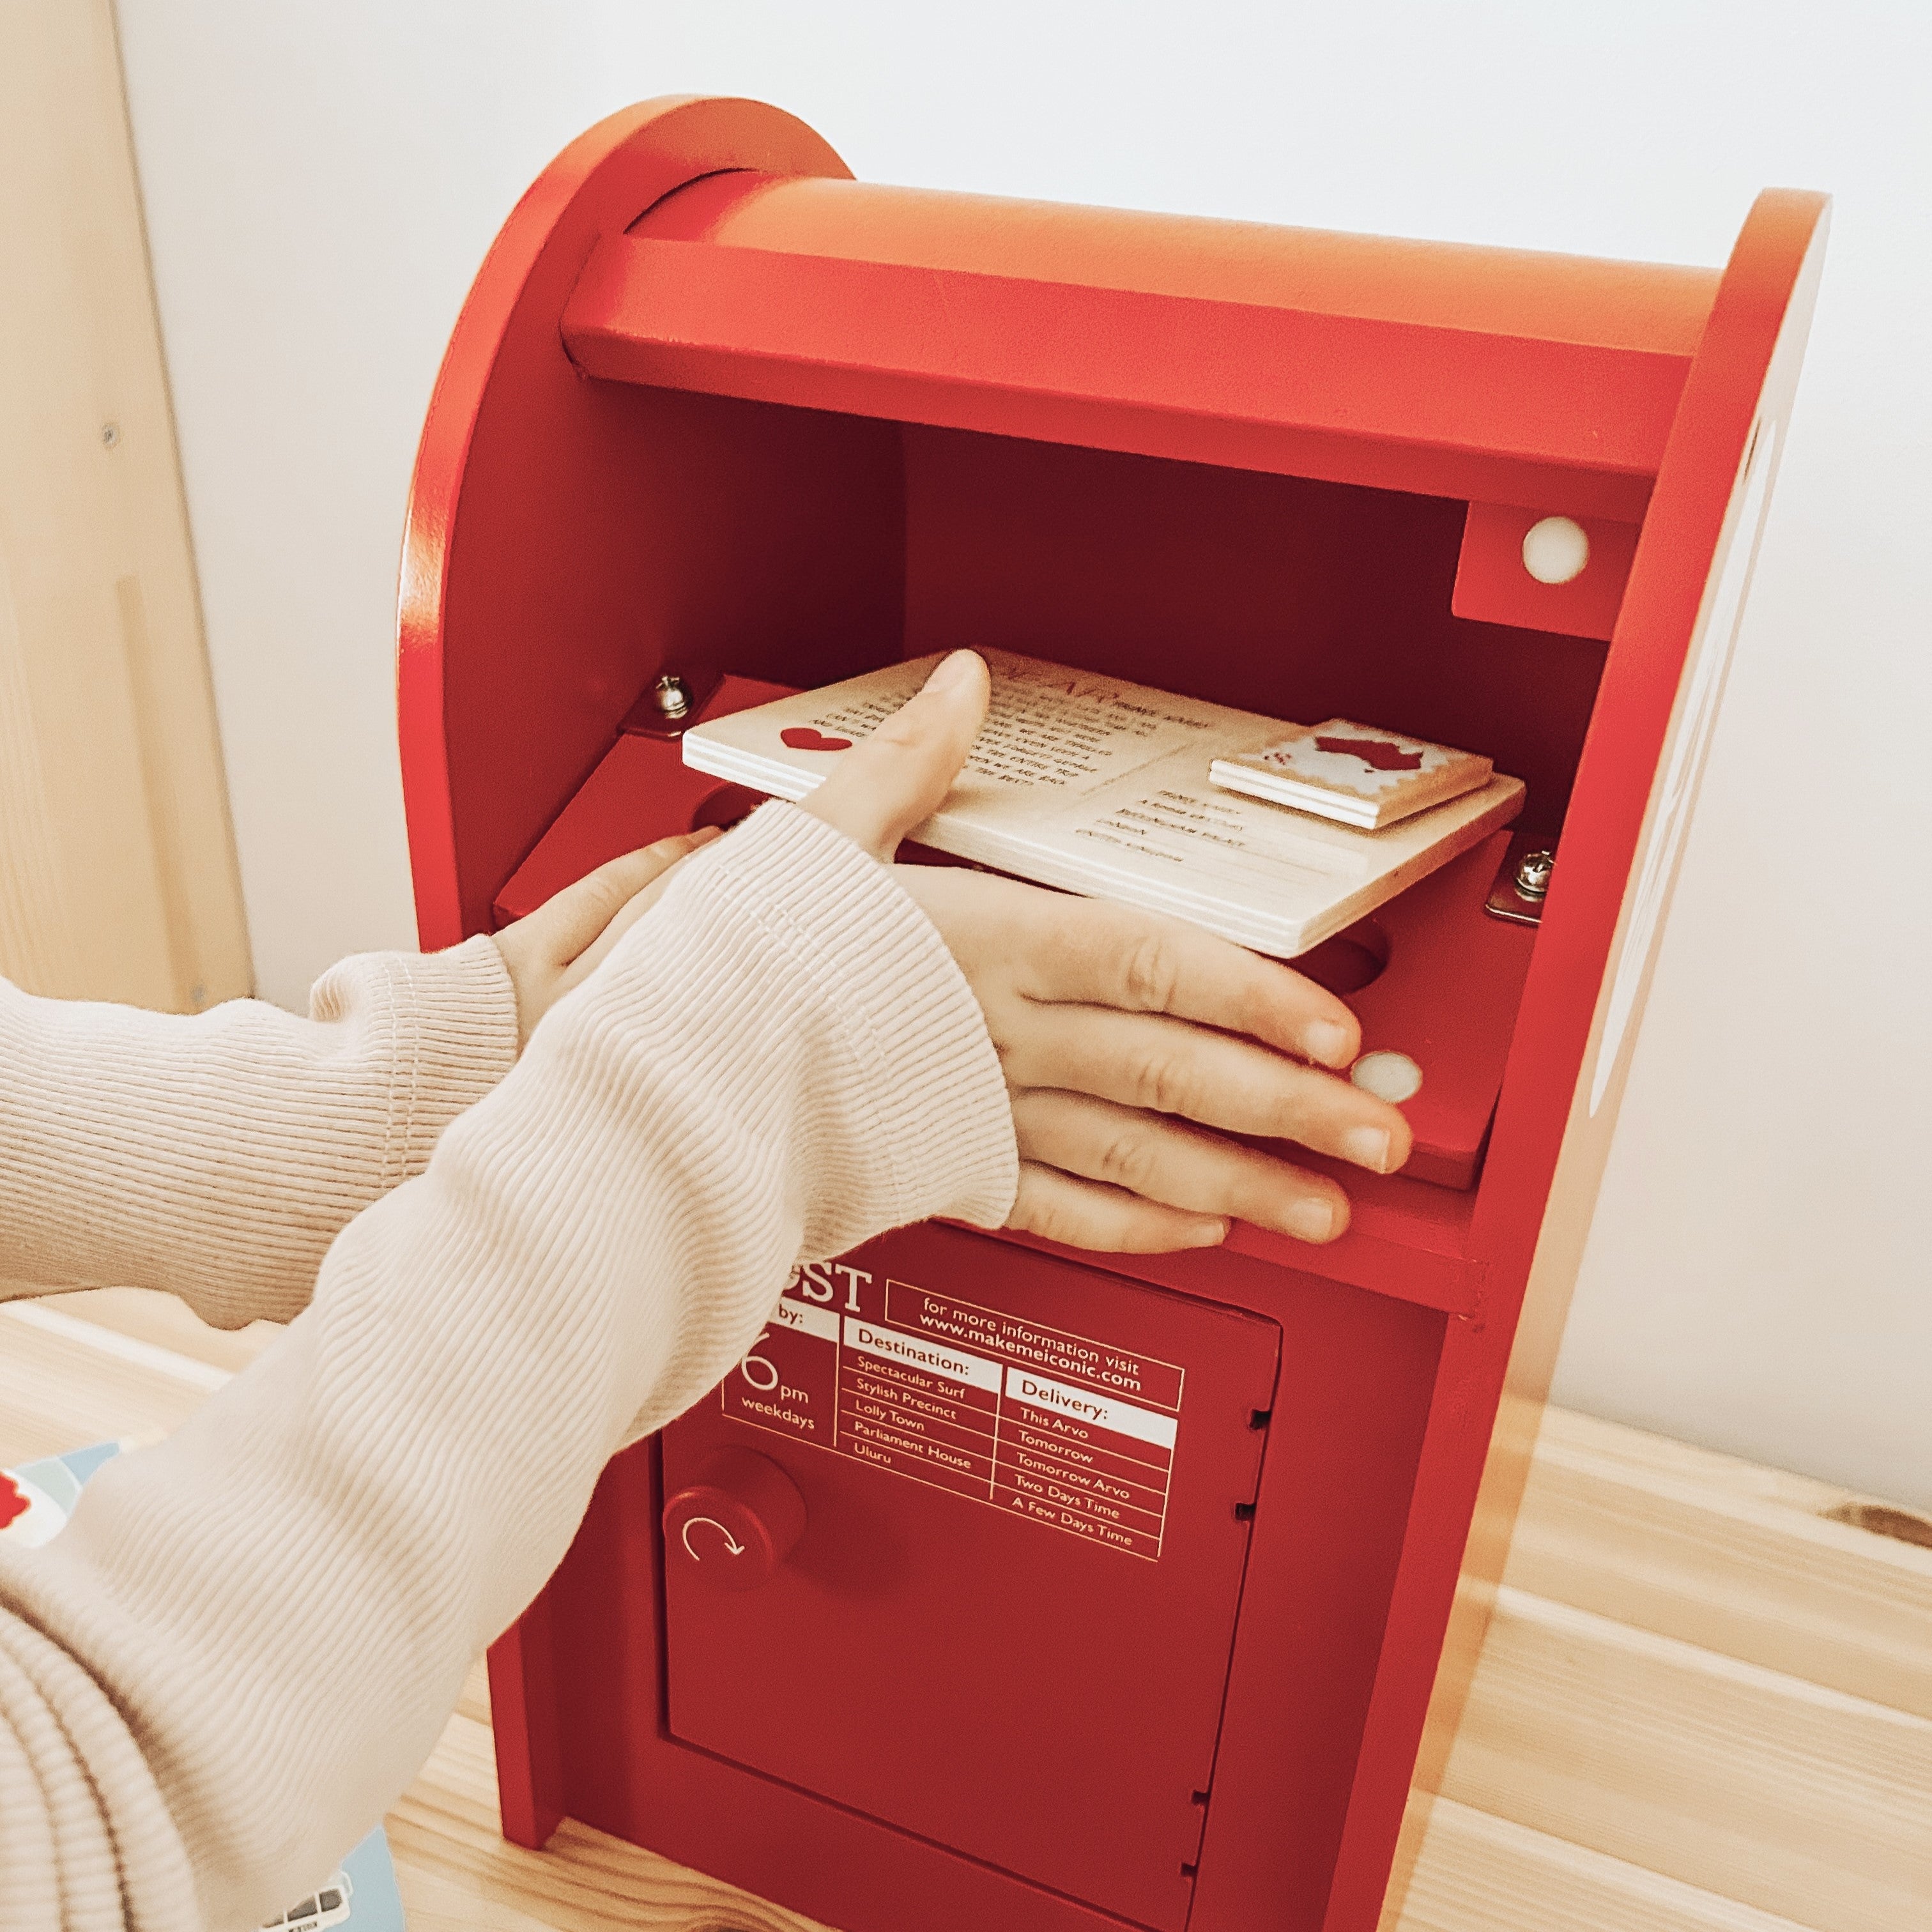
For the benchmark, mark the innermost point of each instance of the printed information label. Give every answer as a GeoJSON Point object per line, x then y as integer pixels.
{"type": "Point", "coordinates": [1076, 1434]}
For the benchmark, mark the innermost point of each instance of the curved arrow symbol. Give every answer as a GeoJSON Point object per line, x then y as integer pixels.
{"type": "Point", "coordinates": [731, 1542]}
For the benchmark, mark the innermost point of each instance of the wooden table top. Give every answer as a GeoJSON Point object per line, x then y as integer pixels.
{"type": "Point", "coordinates": [1705, 1703]}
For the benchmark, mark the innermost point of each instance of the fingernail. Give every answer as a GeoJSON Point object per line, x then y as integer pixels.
{"type": "Point", "coordinates": [1311, 1220]}
{"type": "Point", "coordinates": [1208, 1234]}
{"type": "Point", "coordinates": [1367, 1147]}
{"type": "Point", "coordinates": [1329, 1042]}
{"type": "Point", "coordinates": [952, 674]}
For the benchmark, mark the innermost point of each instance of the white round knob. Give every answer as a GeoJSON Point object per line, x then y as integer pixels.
{"type": "Point", "coordinates": [1555, 550]}
{"type": "Point", "coordinates": [1388, 1075]}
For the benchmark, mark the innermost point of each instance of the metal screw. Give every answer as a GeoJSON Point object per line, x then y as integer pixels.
{"type": "Point", "coordinates": [110, 434]}
{"type": "Point", "coordinates": [672, 696]}
{"type": "Point", "coordinates": [1532, 875]}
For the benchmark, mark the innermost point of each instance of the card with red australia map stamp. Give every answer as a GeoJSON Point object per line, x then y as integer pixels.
{"type": "Point", "coordinates": [1355, 774]}
{"type": "Point", "coordinates": [1089, 783]}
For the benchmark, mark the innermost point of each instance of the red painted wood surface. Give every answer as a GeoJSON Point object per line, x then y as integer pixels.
{"type": "Point", "coordinates": [1548, 1147]}
{"type": "Point", "coordinates": [1493, 584]}
{"type": "Point", "coordinates": [524, 1709]}
{"type": "Point", "coordinates": [641, 791]}
{"type": "Point", "coordinates": [546, 578]}
{"type": "Point", "coordinates": [812, 425]}
{"type": "Point", "coordinates": [1157, 375]}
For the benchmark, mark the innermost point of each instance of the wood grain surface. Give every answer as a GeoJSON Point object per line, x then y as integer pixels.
{"type": "Point", "coordinates": [119, 879]}
{"type": "Point", "coordinates": [1704, 1705]}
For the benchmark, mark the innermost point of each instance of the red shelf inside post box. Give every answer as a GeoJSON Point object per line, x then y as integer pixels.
{"type": "Point", "coordinates": [1447, 981]}
{"type": "Point", "coordinates": [640, 791]}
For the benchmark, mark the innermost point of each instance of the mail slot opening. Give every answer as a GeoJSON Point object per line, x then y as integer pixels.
{"type": "Point", "coordinates": [725, 806]}
{"type": "Point", "coordinates": [1350, 961]}
{"type": "Point", "coordinates": [795, 548]}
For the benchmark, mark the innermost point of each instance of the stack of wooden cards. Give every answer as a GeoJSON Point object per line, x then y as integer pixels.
{"type": "Point", "coordinates": [1098, 786]}
{"type": "Point", "coordinates": [1353, 773]}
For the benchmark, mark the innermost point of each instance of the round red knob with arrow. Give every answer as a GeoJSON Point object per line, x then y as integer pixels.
{"type": "Point", "coordinates": [731, 1527]}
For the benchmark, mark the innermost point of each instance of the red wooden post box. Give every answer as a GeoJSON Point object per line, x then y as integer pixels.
{"type": "Point", "coordinates": [1090, 1591]}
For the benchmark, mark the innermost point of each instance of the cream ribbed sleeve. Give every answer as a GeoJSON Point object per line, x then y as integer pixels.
{"type": "Point", "coordinates": [241, 1649]}
{"type": "Point", "coordinates": [219, 1156]}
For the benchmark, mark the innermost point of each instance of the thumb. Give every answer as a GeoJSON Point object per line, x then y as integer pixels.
{"type": "Point", "coordinates": [899, 776]}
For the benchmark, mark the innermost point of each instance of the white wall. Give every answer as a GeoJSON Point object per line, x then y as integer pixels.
{"type": "Point", "coordinates": [322, 179]}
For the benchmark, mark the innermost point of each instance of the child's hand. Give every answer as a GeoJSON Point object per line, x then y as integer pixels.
{"type": "Point", "coordinates": [1110, 1023]}
{"type": "Point", "coordinates": [563, 941]}
{"type": "Point", "coordinates": [1115, 1027]}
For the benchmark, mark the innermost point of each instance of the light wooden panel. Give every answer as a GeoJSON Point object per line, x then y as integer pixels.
{"type": "Point", "coordinates": [158, 1322]}
{"type": "Point", "coordinates": [1776, 1793]}
{"type": "Point", "coordinates": [118, 877]}
{"type": "Point", "coordinates": [1610, 1777]}
{"type": "Point", "coordinates": [46, 1407]}
{"type": "Point", "coordinates": [1477, 1874]}
{"type": "Point", "coordinates": [456, 1873]}
{"type": "Point", "coordinates": [1727, 1554]}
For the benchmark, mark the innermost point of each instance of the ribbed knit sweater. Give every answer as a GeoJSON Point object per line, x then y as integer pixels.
{"type": "Point", "coordinates": [521, 1268]}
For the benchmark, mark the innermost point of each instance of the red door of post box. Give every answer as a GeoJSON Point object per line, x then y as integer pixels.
{"type": "Point", "coordinates": [1006, 1625]}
